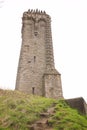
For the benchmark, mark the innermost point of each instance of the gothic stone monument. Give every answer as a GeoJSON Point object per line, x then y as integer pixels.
{"type": "Point", "coordinates": [36, 71]}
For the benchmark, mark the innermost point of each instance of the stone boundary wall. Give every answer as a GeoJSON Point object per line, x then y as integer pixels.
{"type": "Point", "coordinates": [78, 103]}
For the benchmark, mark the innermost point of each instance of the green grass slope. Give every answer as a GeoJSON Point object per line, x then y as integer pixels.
{"type": "Point", "coordinates": [18, 111]}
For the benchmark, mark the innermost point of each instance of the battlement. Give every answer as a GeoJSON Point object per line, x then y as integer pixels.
{"type": "Point", "coordinates": [35, 14]}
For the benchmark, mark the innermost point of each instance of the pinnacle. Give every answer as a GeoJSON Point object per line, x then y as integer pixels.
{"type": "Point", "coordinates": [36, 11]}
{"type": "Point", "coordinates": [36, 14]}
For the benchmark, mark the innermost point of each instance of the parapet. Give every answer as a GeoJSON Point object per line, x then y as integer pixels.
{"type": "Point", "coordinates": [36, 15]}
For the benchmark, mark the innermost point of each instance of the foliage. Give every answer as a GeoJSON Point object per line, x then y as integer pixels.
{"type": "Point", "coordinates": [66, 118]}
{"type": "Point", "coordinates": [19, 110]}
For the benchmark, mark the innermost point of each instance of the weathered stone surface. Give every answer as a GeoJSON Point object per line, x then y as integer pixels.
{"type": "Point", "coordinates": [78, 103]}
{"type": "Point", "coordinates": [36, 70]}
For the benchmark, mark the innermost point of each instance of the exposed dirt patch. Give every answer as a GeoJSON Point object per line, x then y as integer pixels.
{"type": "Point", "coordinates": [43, 123]}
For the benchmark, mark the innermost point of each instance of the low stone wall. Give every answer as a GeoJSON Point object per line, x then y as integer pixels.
{"type": "Point", "coordinates": [78, 103]}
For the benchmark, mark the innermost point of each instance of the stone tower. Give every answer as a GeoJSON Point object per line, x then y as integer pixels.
{"type": "Point", "coordinates": [36, 71]}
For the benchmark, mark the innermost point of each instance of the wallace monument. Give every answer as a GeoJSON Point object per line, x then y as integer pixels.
{"type": "Point", "coordinates": [36, 70]}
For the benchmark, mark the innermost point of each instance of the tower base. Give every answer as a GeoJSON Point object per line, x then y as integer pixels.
{"type": "Point", "coordinates": [52, 85]}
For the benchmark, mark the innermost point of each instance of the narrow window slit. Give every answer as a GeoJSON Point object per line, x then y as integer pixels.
{"type": "Point", "coordinates": [33, 90]}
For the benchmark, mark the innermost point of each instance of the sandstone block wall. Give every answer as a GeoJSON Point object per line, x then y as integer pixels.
{"type": "Point", "coordinates": [36, 57]}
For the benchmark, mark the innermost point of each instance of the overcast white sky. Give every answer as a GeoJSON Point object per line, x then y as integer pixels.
{"type": "Point", "coordinates": [69, 34]}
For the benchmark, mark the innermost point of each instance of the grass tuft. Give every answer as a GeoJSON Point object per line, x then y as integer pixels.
{"type": "Point", "coordinates": [19, 110]}
{"type": "Point", "coordinates": [66, 118]}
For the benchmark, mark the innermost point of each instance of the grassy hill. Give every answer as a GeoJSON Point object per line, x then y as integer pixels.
{"type": "Point", "coordinates": [18, 111]}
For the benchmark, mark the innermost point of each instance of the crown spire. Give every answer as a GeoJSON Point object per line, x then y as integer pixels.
{"type": "Point", "coordinates": [36, 11]}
